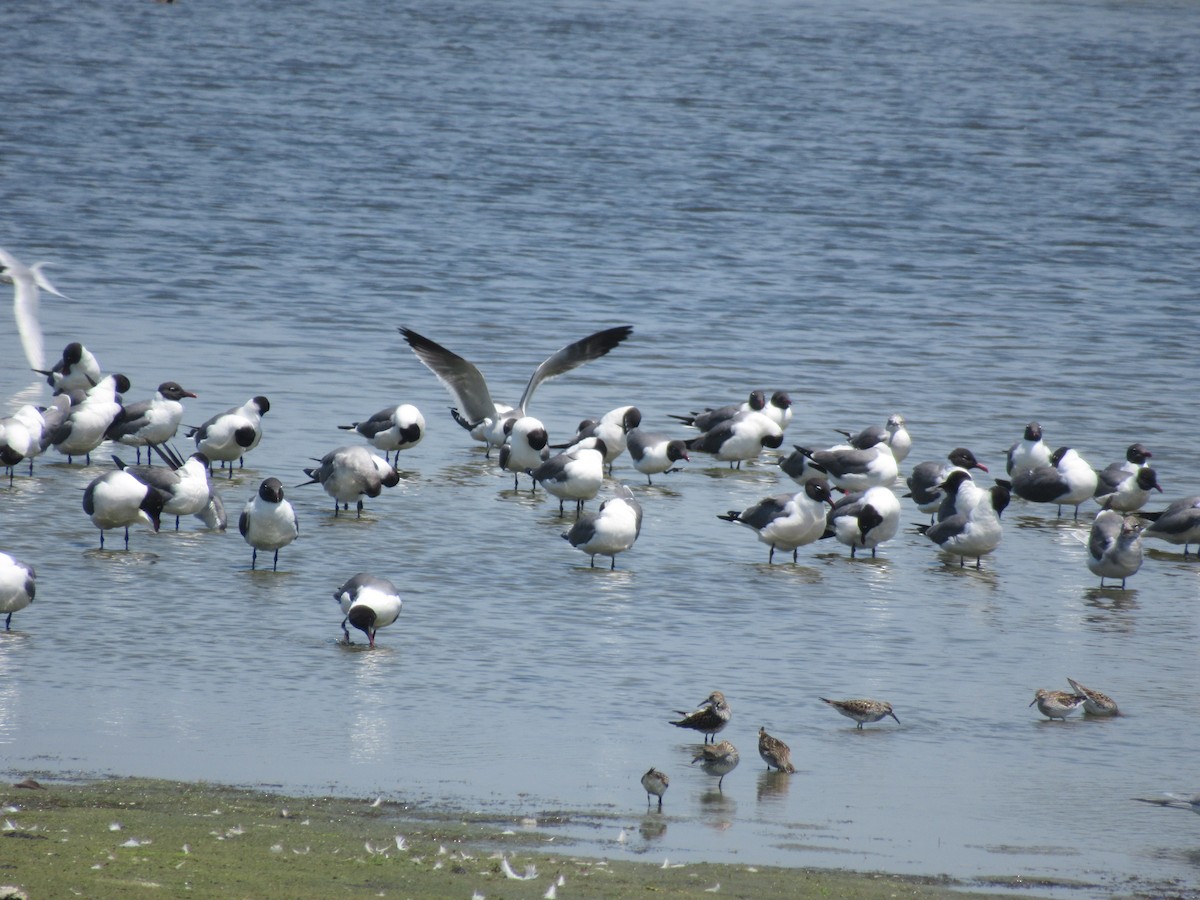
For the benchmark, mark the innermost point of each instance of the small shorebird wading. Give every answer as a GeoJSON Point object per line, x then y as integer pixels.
{"type": "Point", "coordinates": [862, 710]}
{"type": "Point", "coordinates": [712, 716]}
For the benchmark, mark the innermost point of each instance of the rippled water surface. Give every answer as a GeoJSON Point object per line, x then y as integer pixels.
{"type": "Point", "coordinates": [976, 216]}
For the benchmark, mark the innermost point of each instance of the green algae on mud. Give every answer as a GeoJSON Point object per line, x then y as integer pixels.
{"type": "Point", "coordinates": [127, 837]}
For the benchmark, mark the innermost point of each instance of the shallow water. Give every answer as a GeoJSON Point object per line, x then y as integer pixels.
{"type": "Point", "coordinates": [976, 217]}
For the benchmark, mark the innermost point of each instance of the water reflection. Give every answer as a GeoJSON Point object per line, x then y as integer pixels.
{"type": "Point", "coordinates": [653, 826]}
{"type": "Point", "coordinates": [773, 786]}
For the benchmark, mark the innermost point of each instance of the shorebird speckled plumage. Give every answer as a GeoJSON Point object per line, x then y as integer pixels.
{"type": "Point", "coordinates": [717, 760]}
{"type": "Point", "coordinates": [1094, 702]}
{"type": "Point", "coordinates": [656, 784]}
{"type": "Point", "coordinates": [774, 752]}
{"type": "Point", "coordinates": [1057, 704]}
{"type": "Point", "coordinates": [712, 716]}
{"type": "Point", "coordinates": [862, 710]}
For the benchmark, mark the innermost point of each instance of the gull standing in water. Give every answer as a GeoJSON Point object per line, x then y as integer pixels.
{"type": "Point", "coordinates": [232, 434]}
{"type": "Point", "coordinates": [87, 423]}
{"type": "Point", "coordinates": [786, 521]}
{"type": "Point", "coordinates": [526, 447]}
{"type": "Point", "coordinates": [350, 473]}
{"type": "Point", "coordinates": [1067, 481]}
{"type": "Point", "coordinates": [477, 411]}
{"type": "Point", "coordinates": [575, 474]}
{"type": "Point", "coordinates": [894, 434]}
{"type": "Point", "coordinates": [395, 428]}
{"type": "Point", "coordinates": [1178, 524]}
{"type": "Point", "coordinates": [611, 530]}
{"type": "Point", "coordinates": [369, 603]}
{"type": "Point", "coordinates": [268, 522]}
{"type": "Point", "coordinates": [17, 587]}
{"type": "Point", "coordinates": [655, 454]}
{"type": "Point", "coordinates": [153, 421]}
{"type": "Point", "coordinates": [1114, 546]}
{"type": "Point", "coordinates": [77, 370]}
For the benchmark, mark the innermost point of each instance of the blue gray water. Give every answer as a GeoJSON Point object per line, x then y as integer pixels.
{"type": "Point", "coordinates": [975, 215]}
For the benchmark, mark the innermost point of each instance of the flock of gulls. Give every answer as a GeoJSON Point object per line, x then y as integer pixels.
{"type": "Point", "coordinates": [846, 492]}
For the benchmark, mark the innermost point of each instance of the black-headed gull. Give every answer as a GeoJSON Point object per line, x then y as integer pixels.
{"type": "Point", "coordinates": [17, 587]}
{"type": "Point", "coordinates": [710, 417]}
{"type": "Point", "coordinates": [1118, 488]}
{"type": "Point", "coordinates": [117, 500]}
{"type": "Point", "coordinates": [612, 428]}
{"type": "Point", "coordinates": [78, 370]}
{"type": "Point", "coordinates": [1114, 548]}
{"type": "Point", "coordinates": [1067, 481]}
{"type": "Point", "coordinates": [232, 434]}
{"type": "Point", "coordinates": [655, 454]}
{"type": "Point", "coordinates": [786, 521]}
{"type": "Point", "coordinates": [1028, 453]}
{"type": "Point", "coordinates": [739, 439]}
{"type": "Point", "coordinates": [924, 484]}
{"type": "Point", "coordinates": [351, 473]}
{"type": "Point", "coordinates": [268, 522]}
{"type": "Point", "coordinates": [476, 410]}
{"type": "Point", "coordinates": [854, 469]}
{"type": "Point", "coordinates": [84, 428]}
{"type": "Point", "coordinates": [368, 603]}
{"type": "Point", "coordinates": [396, 428]}
{"type": "Point", "coordinates": [526, 447]}
{"type": "Point", "coordinates": [864, 521]}
{"type": "Point", "coordinates": [973, 533]}
{"type": "Point", "coordinates": [153, 421]}
{"type": "Point", "coordinates": [184, 484]}
{"type": "Point", "coordinates": [575, 474]}
{"type": "Point", "coordinates": [610, 530]}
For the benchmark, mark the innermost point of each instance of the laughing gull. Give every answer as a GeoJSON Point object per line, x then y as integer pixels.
{"type": "Point", "coordinates": [232, 434]}
{"type": "Point", "coordinates": [739, 439]}
{"type": "Point", "coordinates": [924, 484]}
{"type": "Point", "coordinates": [526, 447]}
{"type": "Point", "coordinates": [799, 467]}
{"type": "Point", "coordinates": [1114, 546]}
{"type": "Point", "coordinates": [350, 473]}
{"type": "Point", "coordinates": [973, 533]}
{"type": "Point", "coordinates": [1030, 452]}
{"type": "Point", "coordinates": [655, 454]}
{"type": "Point", "coordinates": [1118, 488]}
{"type": "Point", "coordinates": [575, 474]}
{"type": "Point", "coordinates": [76, 370]}
{"type": "Point", "coordinates": [612, 428]}
{"type": "Point", "coordinates": [779, 409]}
{"type": "Point", "coordinates": [611, 530]}
{"type": "Point", "coordinates": [864, 520]}
{"type": "Point", "coordinates": [17, 587]}
{"type": "Point", "coordinates": [711, 417]}
{"type": "Point", "coordinates": [476, 410]}
{"type": "Point", "coordinates": [786, 521]}
{"type": "Point", "coordinates": [184, 484]}
{"type": "Point", "coordinates": [1067, 481]}
{"type": "Point", "coordinates": [894, 434]}
{"type": "Point", "coordinates": [395, 428]}
{"type": "Point", "coordinates": [26, 433]}
{"type": "Point", "coordinates": [854, 469]}
{"type": "Point", "coordinates": [268, 521]}
{"type": "Point", "coordinates": [117, 500]}
{"type": "Point", "coordinates": [1178, 524]}
{"type": "Point", "coordinates": [369, 603]}
{"type": "Point", "coordinates": [152, 421]}
{"type": "Point", "coordinates": [85, 426]}
{"type": "Point", "coordinates": [25, 281]}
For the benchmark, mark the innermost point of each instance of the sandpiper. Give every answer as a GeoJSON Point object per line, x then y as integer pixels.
{"type": "Point", "coordinates": [656, 784]}
{"type": "Point", "coordinates": [1094, 702]}
{"type": "Point", "coordinates": [1057, 704]}
{"type": "Point", "coordinates": [775, 753]}
{"type": "Point", "coordinates": [712, 716]}
{"type": "Point", "coordinates": [717, 759]}
{"type": "Point", "coordinates": [861, 710]}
